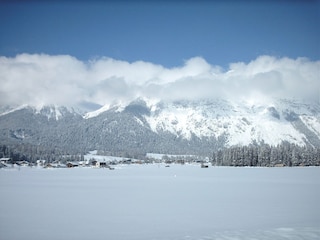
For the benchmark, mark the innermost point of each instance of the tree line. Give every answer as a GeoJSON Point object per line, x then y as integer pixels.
{"type": "Point", "coordinates": [285, 154]}
{"type": "Point", "coordinates": [264, 155]}
{"type": "Point", "coordinates": [32, 153]}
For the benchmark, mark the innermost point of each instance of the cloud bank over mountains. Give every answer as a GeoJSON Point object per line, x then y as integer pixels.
{"type": "Point", "coordinates": [40, 79]}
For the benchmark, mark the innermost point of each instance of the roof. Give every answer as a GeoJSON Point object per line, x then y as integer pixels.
{"type": "Point", "coordinates": [73, 163]}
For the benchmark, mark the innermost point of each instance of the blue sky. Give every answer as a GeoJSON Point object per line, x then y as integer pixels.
{"type": "Point", "coordinates": [102, 52]}
{"type": "Point", "coordinates": [162, 32]}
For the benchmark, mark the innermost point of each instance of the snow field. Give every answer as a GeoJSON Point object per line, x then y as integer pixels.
{"type": "Point", "coordinates": [158, 202]}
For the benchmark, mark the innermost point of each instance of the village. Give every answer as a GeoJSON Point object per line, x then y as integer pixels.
{"type": "Point", "coordinates": [7, 163]}
{"type": "Point", "coordinates": [108, 162]}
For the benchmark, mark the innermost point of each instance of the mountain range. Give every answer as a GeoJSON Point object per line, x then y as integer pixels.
{"type": "Point", "coordinates": [169, 127]}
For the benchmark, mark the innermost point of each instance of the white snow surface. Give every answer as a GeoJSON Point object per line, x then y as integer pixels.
{"type": "Point", "coordinates": [181, 202]}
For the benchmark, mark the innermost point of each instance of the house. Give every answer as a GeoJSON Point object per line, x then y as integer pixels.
{"type": "Point", "coordinates": [3, 165]}
{"type": "Point", "coordinates": [22, 163]}
{"type": "Point", "coordinates": [100, 164]}
{"type": "Point", "coordinates": [204, 165]}
{"type": "Point", "coordinates": [41, 162]}
{"type": "Point", "coordinates": [5, 160]}
{"type": "Point", "coordinates": [279, 165]}
{"type": "Point", "coordinates": [72, 164]}
{"type": "Point", "coordinates": [50, 165]}
{"type": "Point", "coordinates": [127, 161]}
{"type": "Point", "coordinates": [55, 165]}
{"type": "Point", "coordinates": [84, 163]}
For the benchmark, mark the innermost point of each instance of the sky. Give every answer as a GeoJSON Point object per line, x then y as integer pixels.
{"type": "Point", "coordinates": [65, 52]}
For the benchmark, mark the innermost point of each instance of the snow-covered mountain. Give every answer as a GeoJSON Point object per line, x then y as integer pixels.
{"type": "Point", "coordinates": [146, 125]}
{"type": "Point", "coordinates": [242, 122]}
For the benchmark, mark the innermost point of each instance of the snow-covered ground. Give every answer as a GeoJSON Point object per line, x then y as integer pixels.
{"type": "Point", "coordinates": [145, 202]}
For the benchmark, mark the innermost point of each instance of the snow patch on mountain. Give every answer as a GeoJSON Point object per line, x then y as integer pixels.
{"type": "Point", "coordinates": [57, 112]}
{"type": "Point", "coordinates": [51, 112]}
{"type": "Point", "coordinates": [312, 123]}
{"type": "Point", "coordinates": [117, 106]}
{"type": "Point", "coordinates": [7, 109]}
{"type": "Point", "coordinates": [97, 112]}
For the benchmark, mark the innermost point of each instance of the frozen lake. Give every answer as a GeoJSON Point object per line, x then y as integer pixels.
{"type": "Point", "coordinates": [145, 202]}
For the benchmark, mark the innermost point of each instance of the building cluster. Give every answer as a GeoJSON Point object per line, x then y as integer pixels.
{"type": "Point", "coordinates": [93, 163]}
{"type": "Point", "coordinates": [97, 163]}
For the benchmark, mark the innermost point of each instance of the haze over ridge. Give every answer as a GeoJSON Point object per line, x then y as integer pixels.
{"type": "Point", "coordinates": [40, 79]}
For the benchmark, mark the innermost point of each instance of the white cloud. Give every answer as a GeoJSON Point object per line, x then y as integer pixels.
{"type": "Point", "coordinates": [44, 79]}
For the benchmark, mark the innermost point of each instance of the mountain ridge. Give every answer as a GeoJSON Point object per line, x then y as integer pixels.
{"type": "Point", "coordinates": [178, 127]}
